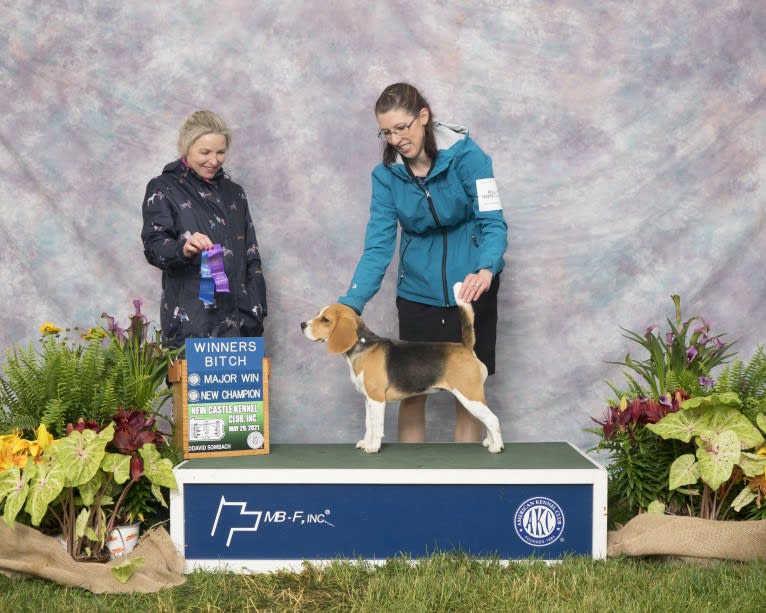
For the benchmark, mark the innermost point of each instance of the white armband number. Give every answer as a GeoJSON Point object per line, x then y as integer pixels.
{"type": "Point", "coordinates": [489, 197]}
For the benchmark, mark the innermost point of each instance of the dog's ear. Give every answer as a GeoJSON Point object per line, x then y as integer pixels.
{"type": "Point", "coordinates": [343, 335]}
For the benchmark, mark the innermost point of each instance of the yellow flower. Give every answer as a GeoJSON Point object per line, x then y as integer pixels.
{"type": "Point", "coordinates": [15, 450]}
{"type": "Point", "coordinates": [623, 403]}
{"type": "Point", "coordinates": [44, 438]}
{"type": "Point", "coordinates": [93, 333]}
{"type": "Point", "coordinates": [41, 443]}
{"type": "Point", "coordinates": [47, 328]}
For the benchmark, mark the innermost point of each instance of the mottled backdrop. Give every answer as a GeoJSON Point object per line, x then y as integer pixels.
{"type": "Point", "coordinates": [627, 140]}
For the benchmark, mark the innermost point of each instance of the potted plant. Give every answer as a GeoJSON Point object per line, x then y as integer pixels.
{"type": "Point", "coordinates": [78, 482]}
{"type": "Point", "coordinates": [673, 365]}
{"type": "Point", "coordinates": [686, 450]}
{"type": "Point", "coordinates": [89, 375]}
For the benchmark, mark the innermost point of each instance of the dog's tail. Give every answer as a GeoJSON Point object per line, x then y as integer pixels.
{"type": "Point", "coordinates": [468, 335]}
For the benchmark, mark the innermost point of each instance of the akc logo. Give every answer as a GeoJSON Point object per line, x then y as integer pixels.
{"type": "Point", "coordinates": [539, 521]}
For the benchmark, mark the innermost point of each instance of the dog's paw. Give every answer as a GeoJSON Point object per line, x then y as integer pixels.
{"type": "Point", "coordinates": [368, 447]}
{"type": "Point", "coordinates": [493, 447]}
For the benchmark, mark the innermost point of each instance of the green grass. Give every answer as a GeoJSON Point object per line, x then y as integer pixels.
{"type": "Point", "coordinates": [440, 583]}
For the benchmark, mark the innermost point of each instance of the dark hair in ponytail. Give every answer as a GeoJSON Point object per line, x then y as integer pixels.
{"type": "Point", "coordinates": [405, 96]}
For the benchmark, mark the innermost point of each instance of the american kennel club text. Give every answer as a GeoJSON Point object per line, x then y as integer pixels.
{"type": "Point", "coordinates": [539, 521]}
{"type": "Point", "coordinates": [252, 520]}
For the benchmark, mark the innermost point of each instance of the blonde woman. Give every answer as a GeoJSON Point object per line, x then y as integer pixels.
{"type": "Point", "coordinates": [194, 212]}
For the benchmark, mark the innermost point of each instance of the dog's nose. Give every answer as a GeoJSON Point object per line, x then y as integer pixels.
{"type": "Point", "coordinates": [303, 325]}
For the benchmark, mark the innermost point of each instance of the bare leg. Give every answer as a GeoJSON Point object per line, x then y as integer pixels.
{"type": "Point", "coordinates": [412, 420]}
{"type": "Point", "coordinates": [468, 429]}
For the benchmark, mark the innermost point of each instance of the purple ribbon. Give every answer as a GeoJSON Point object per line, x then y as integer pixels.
{"type": "Point", "coordinates": [212, 276]}
{"type": "Point", "coordinates": [215, 261]}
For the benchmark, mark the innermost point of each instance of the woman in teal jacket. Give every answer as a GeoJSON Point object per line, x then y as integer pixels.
{"type": "Point", "coordinates": [437, 185]}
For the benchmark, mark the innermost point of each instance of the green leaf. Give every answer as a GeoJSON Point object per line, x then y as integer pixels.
{"type": "Point", "coordinates": [727, 399]}
{"type": "Point", "coordinates": [680, 425]}
{"type": "Point", "coordinates": [745, 497]}
{"type": "Point", "coordinates": [722, 419]}
{"type": "Point", "coordinates": [157, 469]}
{"type": "Point", "coordinates": [760, 419]}
{"type": "Point", "coordinates": [124, 571]}
{"type": "Point", "coordinates": [717, 457]}
{"type": "Point", "coordinates": [81, 453]}
{"type": "Point", "coordinates": [685, 470]}
{"type": "Point", "coordinates": [81, 524]}
{"type": "Point", "coordinates": [656, 507]}
{"type": "Point", "coordinates": [752, 464]}
{"type": "Point", "coordinates": [118, 464]}
{"type": "Point", "coordinates": [90, 489]}
{"type": "Point", "coordinates": [47, 482]}
{"type": "Point", "coordinates": [157, 493]}
{"type": "Point", "coordinates": [14, 488]}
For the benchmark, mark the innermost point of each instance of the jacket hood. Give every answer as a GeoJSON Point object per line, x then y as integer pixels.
{"type": "Point", "coordinates": [450, 139]}
{"type": "Point", "coordinates": [177, 169]}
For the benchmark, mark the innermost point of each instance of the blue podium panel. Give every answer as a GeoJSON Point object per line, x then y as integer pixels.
{"type": "Point", "coordinates": [322, 502]}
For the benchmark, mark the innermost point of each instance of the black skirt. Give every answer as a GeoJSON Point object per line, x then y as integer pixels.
{"type": "Point", "coordinates": [423, 322]}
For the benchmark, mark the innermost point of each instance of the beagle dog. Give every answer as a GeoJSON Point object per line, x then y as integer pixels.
{"type": "Point", "coordinates": [387, 370]}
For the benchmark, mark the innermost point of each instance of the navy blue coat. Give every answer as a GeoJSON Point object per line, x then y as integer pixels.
{"type": "Point", "coordinates": [177, 204]}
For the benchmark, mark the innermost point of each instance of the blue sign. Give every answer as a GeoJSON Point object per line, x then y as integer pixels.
{"type": "Point", "coordinates": [321, 521]}
{"type": "Point", "coordinates": [225, 390]}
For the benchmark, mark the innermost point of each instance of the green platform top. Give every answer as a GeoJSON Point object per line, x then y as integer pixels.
{"type": "Point", "coordinates": [392, 456]}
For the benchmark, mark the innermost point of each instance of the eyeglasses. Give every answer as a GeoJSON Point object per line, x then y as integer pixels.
{"type": "Point", "coordinates": [400, 129]}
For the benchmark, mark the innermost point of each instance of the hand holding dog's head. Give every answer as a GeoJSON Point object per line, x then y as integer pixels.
{"type": "Point", "coordinates": [336, 325]}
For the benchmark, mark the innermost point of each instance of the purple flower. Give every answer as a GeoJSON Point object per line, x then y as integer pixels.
{"type": "Point", "coordinates": [691, 353]}
{"type": "Point", "coordinates": [704, 327]}
{"type": "Point", "coordinates": [707, 382]}
{"type": "Point", "coordinates": [718, 342]}
{"type": "Point", "coordinates": [113, 327]}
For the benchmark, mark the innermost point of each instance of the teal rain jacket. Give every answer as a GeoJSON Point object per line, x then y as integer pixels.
{"type": "Point", "coordinates": [451, 226]}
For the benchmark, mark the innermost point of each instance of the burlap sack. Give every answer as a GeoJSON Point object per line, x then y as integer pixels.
{"type": "Point", "coordinates": [688, 537]}
{"type": "Point", "coordinates": [25, 551]}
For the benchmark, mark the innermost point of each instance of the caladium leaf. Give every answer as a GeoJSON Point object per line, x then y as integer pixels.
{"type": "Point", "coordinates": [681, 425]}
{"type": "Point", "coordinates": [157, 469]}
{"type": "Point", "coordinates": [118, 464]}
{"type": "Point", "coordinates": [745, 497]}
{"type": "Point", "coordinates": [730, 399]}
{"type": "Point", "coordinates": [14, 487]}
{"type": "Point", "coordinates": [760, 419]}
{"type": "Point", "coordinates": [717, 457]}
{"type": "Point", "coordinates": [90, 489]}
{"type": "Point", "coordinates": [684, 471]}
{"type": "Point", "coordinates": [124, 571]}
{"type": "Point", "coordinates": [47, 482]}
{"type": "Point", "coordinates": [752, 464]}
{"type": "Point", "coordinates": [722, 419]}
{"type": "Point", "coordinates": [81, 453]}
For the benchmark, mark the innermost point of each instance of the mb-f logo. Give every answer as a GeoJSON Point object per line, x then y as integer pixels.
{"type": "Point", "coordinates": [539, 521]}
{"type": "Point", "coordinates": [255, 518]}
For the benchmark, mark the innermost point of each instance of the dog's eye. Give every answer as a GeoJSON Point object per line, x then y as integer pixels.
{"type": "Point", "coordinates": [323, 319]}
